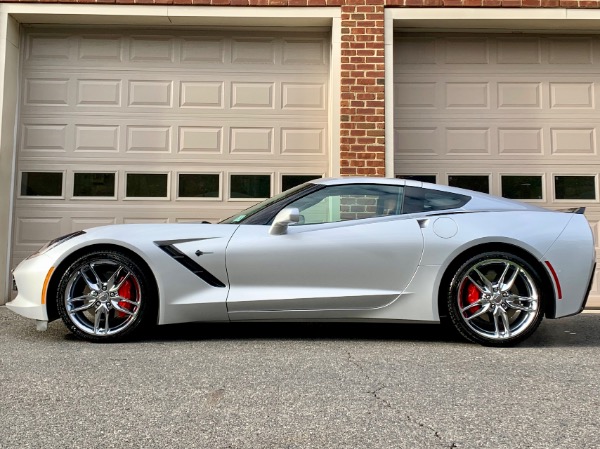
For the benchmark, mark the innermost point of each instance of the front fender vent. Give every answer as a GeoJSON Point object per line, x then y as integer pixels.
{"type": "Point", "coordinates": [194, 267]}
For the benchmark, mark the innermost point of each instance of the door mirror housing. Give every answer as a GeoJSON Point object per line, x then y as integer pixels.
{"type": "Point", "coordinates": [283, 219]}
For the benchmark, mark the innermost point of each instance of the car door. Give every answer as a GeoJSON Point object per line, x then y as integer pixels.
{"type": "Point", "coordinates": [335, 259]}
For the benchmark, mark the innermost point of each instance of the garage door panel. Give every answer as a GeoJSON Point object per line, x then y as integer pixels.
{"type": "Point", "coordinates": [550, 97]}
{"type": "Point", "coordinates": [193, 95]}
{"type": "Point", "coordinates": [497, 54]}
{"type": "Point", "coordinates": [118, 138]}
{"type": "Point", "coordinates": [545, 141]}
{"type": "Point", "coordinates": [162, 50]}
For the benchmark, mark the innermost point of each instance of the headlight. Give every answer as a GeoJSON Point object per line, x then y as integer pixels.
{"type": "Point", "coordinates": [57, 241]}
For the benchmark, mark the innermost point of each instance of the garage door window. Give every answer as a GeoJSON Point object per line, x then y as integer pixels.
{"type": "Point", "coordinates": [423, 178]}
{"type": "Point", "coordinates": [479, 183]}
{"type": "Point", "coordinates": [94, 185]}
{"type": "Point", "coordinates": [199, 185]}
{"type": "Point", "coordinates": [250, 186]}
{"type": "Point", "coordinates": [147, 185]}
{"type": "Point", "coordinates": [522, 187]}
{"type": "Point", "coordinates": [575, 187]}
{"type": "Point", "coordinates": [49, 184]}
{"type": "Point", "coordinates": [289, 181]}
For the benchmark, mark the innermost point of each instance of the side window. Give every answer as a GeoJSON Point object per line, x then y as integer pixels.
{"type": "Point", "coordinates": [427, 200]}
{"type": "Point", "coordinates": [349, 202]}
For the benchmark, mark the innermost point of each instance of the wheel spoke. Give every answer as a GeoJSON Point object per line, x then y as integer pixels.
{"type": "Point", "coordinates": [506, 287]}
{"type": "Point", "coordinates": [111, 281]}
{"type": "Point", "coordinates": [506, 268]}
{"type": "Point", "coordinates": [121, 282]}
{"type": "Point", "coordinates": [486, 282]}
{"type": "Point", "coordinates": [505, 322]}
{"type": "Point", "coordinates": [90, 302]}
{"type": "Point", "coordinates": [98, 280]}
{"type": "Point", "coordinates": [88, 281]}
{"type": "Point", "coordinates": [477, 286]}
{"type": "Point", "coordinates": [100, 312]}
{"type": "Point", "coordinates": [496, 325]}
{"type": "Point", "coordinates": [480, 312]}
{"type": "Point", "coordinates": [514, 302]}
{"type": "Point", "coordinates": [122, 309]}
{"type": "Point", "coordinates": [118, 299]}
{"type": "Point", "coordinates": [476, 303]}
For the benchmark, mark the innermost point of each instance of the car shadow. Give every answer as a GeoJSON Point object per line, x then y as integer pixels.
{"type": "Point", "coordinates": [577, 331]}
{"type": "Point", "coordinates": [304, 331]}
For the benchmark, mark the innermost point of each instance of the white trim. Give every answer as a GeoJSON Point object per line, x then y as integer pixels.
{"type": "Point", "coordinates": [533, 20]}
{"type": "Point", "coordinates": [389, 93]}
{"type": "Point", "coordinates": [478, 13]}
{"type": "Point", "coordinates": [9, 76]}
{"type": "Point", "coordinates": [154, 15]}
{"type": "Point", "coordinates": [335, 68]}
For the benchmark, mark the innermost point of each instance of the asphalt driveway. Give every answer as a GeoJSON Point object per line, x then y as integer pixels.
{"type": "Point", "coordinates": [299, 386]}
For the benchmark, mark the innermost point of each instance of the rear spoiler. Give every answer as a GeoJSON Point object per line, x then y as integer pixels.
{"type": "Point", "coordinates": [573, 210]}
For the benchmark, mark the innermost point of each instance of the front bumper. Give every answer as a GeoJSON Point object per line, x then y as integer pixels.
{"type": "Point", "coordinates": [29, 277]}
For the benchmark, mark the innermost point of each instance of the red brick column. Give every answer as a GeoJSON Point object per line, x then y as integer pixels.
{"type": "Point", "coordinates": [362, 126]}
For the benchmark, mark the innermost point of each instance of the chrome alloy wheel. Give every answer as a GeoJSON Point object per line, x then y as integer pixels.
{"type": "Point", "coordinates": [103, 297]}
{"type": "Point", "coordinates": [498, 299]}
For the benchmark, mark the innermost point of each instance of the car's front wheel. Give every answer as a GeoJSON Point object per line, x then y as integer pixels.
{"type": "Point", "coordinates": [496, 299]}
{"type": "Point", "coordinates": [105, 296]}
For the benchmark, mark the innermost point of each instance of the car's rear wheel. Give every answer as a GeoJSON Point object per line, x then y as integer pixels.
{"type": "Point", "coordinates": [496, 299]}
{"type": "Point", "coordinates": [105, 296]}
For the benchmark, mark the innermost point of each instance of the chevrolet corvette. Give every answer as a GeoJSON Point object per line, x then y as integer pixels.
{"type": "Point", "coordinates": [350, 249]}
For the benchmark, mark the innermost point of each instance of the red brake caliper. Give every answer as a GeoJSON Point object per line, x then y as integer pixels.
{"type": "Point", "coordinates": [473, 295]}
{"type": "Point", "coordinates": [124, 292]}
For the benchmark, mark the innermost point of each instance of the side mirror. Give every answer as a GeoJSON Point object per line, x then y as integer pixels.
{"type": "Point", "coordinates": [283, 219]}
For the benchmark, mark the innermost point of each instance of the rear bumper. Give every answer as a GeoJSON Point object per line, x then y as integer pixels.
{"type": "Point", "coordinates": [573, 257]}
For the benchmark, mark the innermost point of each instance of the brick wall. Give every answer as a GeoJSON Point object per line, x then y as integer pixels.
{"type": "Point", "coordinates": [362, 126]}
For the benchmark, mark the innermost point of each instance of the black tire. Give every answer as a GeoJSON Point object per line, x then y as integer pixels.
{"type": "Point", "coordinates": [106, 296]}
{"type": "Point", "coordinates": [496, 299]}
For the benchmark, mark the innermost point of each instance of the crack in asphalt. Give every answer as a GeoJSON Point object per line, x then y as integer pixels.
{"type": "Point", "coordinates": [387, 404]}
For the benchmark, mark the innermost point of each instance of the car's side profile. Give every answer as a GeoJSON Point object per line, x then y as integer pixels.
{"type": "Point", "coordinates": [359, 249]}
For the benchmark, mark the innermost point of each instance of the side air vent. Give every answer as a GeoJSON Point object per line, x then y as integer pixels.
{"type": "Point", "coordinates": [195, 268]}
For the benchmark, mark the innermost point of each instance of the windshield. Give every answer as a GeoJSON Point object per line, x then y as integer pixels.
{"type": "Point", "coordinates": [245, 214]}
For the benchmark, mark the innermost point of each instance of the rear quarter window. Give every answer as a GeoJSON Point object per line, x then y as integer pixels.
{"type": "Point", "coordinates": [417, 200]}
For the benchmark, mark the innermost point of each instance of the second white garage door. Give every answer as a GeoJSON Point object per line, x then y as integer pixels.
{"type": "Point", "coordinates": [152, 126]}
{"type": "Point", "coordinates": [515, 116]}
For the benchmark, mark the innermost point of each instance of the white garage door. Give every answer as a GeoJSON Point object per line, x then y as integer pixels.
{"type": "Point", "coordinates": [152, 126]}
{"type": "Point", "coordinates": [515, 116]}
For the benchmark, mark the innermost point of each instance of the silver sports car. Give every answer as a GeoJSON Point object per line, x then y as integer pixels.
{"type": "Point", "coordinates": [351, 249]}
